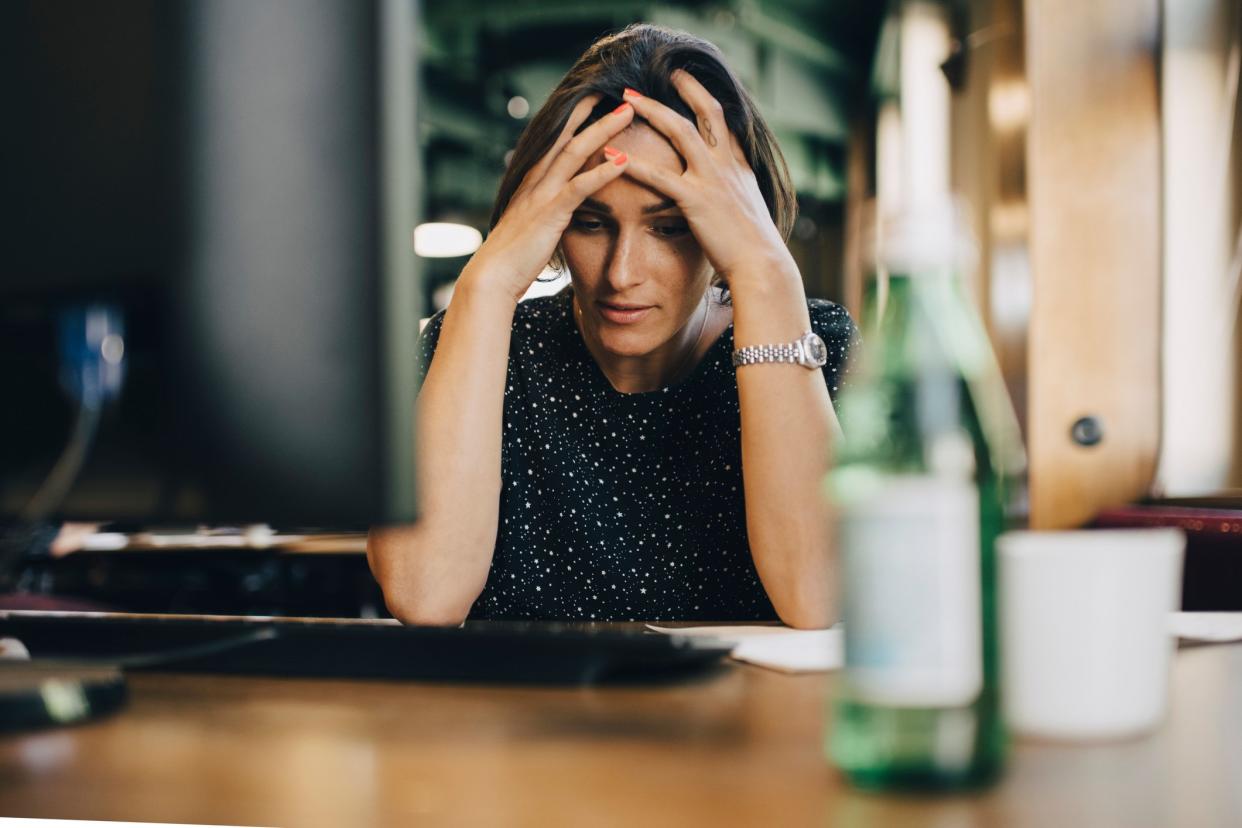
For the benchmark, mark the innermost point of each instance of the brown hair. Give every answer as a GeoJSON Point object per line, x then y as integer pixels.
{"type": "Point", "coordinates": [642, 56]}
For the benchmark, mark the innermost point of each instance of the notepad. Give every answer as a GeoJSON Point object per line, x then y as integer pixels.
{"type": "Point", "coordinates": [777, 648]}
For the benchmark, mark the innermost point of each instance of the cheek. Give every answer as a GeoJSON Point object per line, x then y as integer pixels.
{"type": "Point", "coordinates": [691, 256]}
{"type": "Point", "coordinates": [683, 255]}
{"type": "Point", "coordinates": [583, 256]}
{"type": "Point", "coordinates": [691, 265]}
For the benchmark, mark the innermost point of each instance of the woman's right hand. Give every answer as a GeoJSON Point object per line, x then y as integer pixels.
{"type": "Point", "coordinates": [523, 241]}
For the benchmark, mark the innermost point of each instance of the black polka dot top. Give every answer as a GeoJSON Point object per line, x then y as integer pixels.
{"type": "Point", "coordinates": [617, 506]}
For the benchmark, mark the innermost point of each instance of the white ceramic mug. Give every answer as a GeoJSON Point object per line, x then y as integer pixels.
{"type": "Point", "coordinates": [1085, 642]}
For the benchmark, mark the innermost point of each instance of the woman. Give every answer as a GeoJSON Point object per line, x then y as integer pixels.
{"type": "Point", "coordinates": [591, 464]}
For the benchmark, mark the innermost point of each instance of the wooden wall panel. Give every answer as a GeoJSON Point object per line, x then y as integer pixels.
{"type": "Point", "coordinates": [1093, 168]}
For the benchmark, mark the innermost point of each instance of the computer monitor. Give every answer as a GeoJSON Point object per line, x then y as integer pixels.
{"type": "Point", "coordinates": [228, 190]}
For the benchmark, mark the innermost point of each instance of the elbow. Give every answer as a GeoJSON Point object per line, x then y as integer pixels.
{"type": "Point", "coordinates": [802, 588]}
{"type": "Point", "coordinates": [807, 616]}
{"type": "Point", "coordinates": [807, 608]}
{"type": "Point", "coordinates": [424, 613]}
{"type": "Point", "coordinates": [807, 600]}
{"type": "Point", "coordinates": [408, 598]}
{"type": "Point", "coordinates": [416, 609]}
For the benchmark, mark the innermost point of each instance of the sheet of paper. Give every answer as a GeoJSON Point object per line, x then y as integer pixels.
{"type": "Point", "coordinates": [1206, 626]}
{"type": "Point", "coordinates": [777, 648]}
{"type": "Point", "coordinates": [801, 651]}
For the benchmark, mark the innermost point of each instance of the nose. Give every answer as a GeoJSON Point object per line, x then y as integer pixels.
{"type": "Point", "coordinates": [625, 269]}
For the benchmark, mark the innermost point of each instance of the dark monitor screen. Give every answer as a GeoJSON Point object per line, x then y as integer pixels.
{"type": "Point", "coordinates": [227, 190]}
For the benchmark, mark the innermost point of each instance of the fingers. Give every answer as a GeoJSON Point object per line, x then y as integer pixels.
{"type": "Point", "coordinates": [579, 114]}
{"type": "Point", "coordinates": [712, 128]}
{"type": "Point", "coordinates": [662, 181]}
{"type": "Point", "coordinates": [683, 134]}
{"type": "Point", "coordinates": [585, 144]}
{"type": "Point", "coordinates": [585, 183]}
{"type": "Point", "coordinates": [739, 154]}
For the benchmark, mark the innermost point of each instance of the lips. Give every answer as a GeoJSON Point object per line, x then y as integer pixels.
{"type": "Point", "coordinates": [623, 314]}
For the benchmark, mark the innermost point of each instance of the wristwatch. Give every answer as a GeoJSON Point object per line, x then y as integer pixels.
{"type": "Point", "coordinates": [807, 350]}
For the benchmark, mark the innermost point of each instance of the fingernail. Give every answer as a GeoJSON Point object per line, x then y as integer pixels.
{"type": "Point", "coordinates": [631, 93]}
{"type": "Point", "coordinates": [615, 156]}
{"type": "Point", "coordinates": [620, 108]}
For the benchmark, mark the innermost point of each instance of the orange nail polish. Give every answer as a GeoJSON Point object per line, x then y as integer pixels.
{"type": "Point", "coordinates": [610, 152]}
{"type": "Point", "coordinates": [620, 108]}
{"type": "Point", "coordinates": [632, 93]}
{"type": "Point", "coordinates": [620, 159]}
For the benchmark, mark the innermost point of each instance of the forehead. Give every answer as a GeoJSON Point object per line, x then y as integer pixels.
{"type": "Point", "coordinates": [638, 141]}
{"type": "Point", "coordinates": [645, 141]}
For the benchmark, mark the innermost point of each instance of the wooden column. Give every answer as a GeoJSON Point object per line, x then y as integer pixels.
{"type": "Point", "coordinates": [1093, 168]}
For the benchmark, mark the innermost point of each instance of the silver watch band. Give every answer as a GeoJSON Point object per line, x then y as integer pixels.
{"type": "Point", "coordinates": [754, 354]}
{"type": "Point", "coordinates": [807, 351]}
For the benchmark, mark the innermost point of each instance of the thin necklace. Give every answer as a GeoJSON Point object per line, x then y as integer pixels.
{"type": "Point", "coordinates": [689, 356]}
{"type": "Point", "coordinates": [685, 363]}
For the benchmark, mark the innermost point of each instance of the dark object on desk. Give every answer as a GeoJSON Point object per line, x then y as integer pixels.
{"type": "Point", "coordinates": [47, 693]}
{"type": "Point", "coordinates": [236, 183]}
{"type": "Point", "coordinates": [1212, 579]}
{"type": "Point", "coordinates": [210, 582]}
{"type": "Point", "coordinates": [495, 652]}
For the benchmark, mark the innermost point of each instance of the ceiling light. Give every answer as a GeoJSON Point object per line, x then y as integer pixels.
{"type": "Point", "coordinates": [518, 107]}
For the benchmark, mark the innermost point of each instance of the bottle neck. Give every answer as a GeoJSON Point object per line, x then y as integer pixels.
{"type": "Point", "coordinates": [890, 299]}
{"type": "Point", "coordinates": [923, 325]}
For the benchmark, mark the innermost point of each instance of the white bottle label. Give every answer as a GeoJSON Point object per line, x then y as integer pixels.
{"type": "Point", "coordinates": [910, 552]}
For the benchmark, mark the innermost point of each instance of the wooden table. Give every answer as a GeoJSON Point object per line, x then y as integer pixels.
{"type": "Point", "coordinates": [740, 747]}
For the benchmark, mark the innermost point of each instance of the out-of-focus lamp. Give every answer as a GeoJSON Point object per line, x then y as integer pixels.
{"type": "Point", "coordinates": [442, 240]}
{"type": "Point", "coordinates": [518, 107]}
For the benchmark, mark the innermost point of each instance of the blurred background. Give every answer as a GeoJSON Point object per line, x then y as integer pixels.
{"type": "Point", "coordinates": [1096, 147]}
{"type": "Point", "coordinates": [1124, 114]}
{"type": "Point", "coordinates": [488, 66]}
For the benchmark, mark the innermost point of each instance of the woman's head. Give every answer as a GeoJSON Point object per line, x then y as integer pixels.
{"type": "Point", "coordinates": [614, 250]}
{"type": "Point", "coordinates": [643, 57]}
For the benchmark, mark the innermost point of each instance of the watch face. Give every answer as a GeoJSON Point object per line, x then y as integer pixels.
{"type": "Point", "coordinates": [815, 349]}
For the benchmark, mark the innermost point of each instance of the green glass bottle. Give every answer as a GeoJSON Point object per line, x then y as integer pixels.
{"type": "Point", "coordinates": [919, 484]}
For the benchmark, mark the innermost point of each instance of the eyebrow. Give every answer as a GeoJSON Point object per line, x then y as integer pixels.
{"type": "Point", "coordinates": [666, 204]}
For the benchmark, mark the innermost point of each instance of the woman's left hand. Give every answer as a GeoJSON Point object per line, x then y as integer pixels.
{"type": "Point", "coordinates": [717, 193]}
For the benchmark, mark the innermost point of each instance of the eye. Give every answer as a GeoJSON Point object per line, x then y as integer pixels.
{"type": "Point", "coordinates": [585, 224]}
{"type": "Point", "coordinates": [671, 231]}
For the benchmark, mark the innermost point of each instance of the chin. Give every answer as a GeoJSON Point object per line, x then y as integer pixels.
{"type": "Point", "coordinates": [628, 342]}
